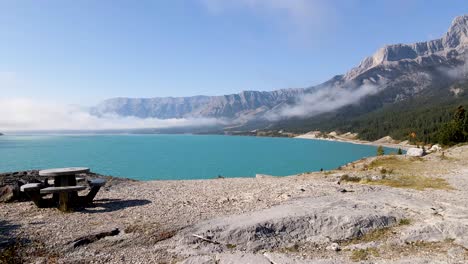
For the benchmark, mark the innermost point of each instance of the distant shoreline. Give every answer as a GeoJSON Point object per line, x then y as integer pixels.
{"type": "Point", "coordinates": [357, 142]}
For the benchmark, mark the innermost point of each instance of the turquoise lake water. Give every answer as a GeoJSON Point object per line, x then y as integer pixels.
{"type": "Point", "coordinates": [163, 157]}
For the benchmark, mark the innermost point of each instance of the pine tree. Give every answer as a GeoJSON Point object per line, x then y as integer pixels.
{"type": "Point", "coordinates": [380, 151]}
{"type": "Point", "coordinates": [400, 152]}
{"type": "Point", "coordinates": [456, 130]}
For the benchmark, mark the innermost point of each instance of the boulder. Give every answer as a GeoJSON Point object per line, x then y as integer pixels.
{"type": "Point", "coordinates": [7, 193]}
{"type": "Point", "coordinates": [415, 152]}
{"type": "Point", "coordinates": [435, 148]}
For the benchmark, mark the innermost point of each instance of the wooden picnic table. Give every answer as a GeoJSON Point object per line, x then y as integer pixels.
{"type": "Point", "coordinates": [65, 188]}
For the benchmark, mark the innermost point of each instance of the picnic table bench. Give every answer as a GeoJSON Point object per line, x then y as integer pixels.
{"type": "Point", "coordinates": [64, 189]}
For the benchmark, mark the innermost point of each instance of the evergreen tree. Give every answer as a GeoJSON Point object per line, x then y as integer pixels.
{"type": "Point", "coordinates": [400, 152]}
{"type": "Point", "coordinates": [456, 130]}
{"type": "Point", "coordinates": [380, 151]}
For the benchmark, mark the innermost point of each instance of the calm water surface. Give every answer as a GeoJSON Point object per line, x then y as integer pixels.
{"type": "Point", "coordinates": [150, 157]}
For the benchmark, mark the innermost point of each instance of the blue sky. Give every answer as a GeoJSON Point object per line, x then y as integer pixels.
{"type": "Point", "coordinates": [81, 52]}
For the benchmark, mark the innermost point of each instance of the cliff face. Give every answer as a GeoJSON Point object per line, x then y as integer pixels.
{"type": "Point", "coordinates": [226, 106]}
{"type": "Point", "coordinates": [435, 52]}
{"type": "Point", "coordinates": [398, 71]}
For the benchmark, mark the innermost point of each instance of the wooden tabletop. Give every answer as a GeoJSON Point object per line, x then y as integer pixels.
{"type": "Point", "coordinates": [63, 171]}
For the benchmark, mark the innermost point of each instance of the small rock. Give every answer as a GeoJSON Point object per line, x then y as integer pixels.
{"type": "Point", "coordinates": [377, 177]}
{"type": "Point", "coordinates": [334, 247]}
{"type": "Point", "coordinates": [223, 200]}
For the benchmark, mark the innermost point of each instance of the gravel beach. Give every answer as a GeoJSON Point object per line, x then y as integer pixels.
{"type": "Point", "coordinates": [323, 217]}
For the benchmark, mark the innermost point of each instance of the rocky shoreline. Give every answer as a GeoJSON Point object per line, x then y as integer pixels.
{"type": "Point", "coordinates": [390, 209]}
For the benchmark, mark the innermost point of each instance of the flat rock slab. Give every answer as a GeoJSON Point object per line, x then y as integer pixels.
{"type": "Point", "coordinates": [242, 257]}
{"type": "Point", "coordinates": [63, 171]}
{"type": "Point", "coordinates": [312, 220]}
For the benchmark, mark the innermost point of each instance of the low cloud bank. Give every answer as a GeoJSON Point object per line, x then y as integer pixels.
{"type": "Point", "coordinates": [21, 114]}
{"type": "Point", "coordinates": [324, 100]}
{"type": "Point", "coordinates": [458, 72]}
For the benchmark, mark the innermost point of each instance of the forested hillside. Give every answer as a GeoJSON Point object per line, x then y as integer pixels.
{"type": "Point", "coordinates": [423, 115]}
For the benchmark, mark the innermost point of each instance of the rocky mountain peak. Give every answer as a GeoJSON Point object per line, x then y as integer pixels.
{"type": "Point", "coordinates": [456, 39]}
{"type": "Point", "coordinates": [457, 34]}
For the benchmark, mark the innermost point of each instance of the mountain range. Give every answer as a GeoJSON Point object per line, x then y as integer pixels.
{"type": "Point", "coordinates": [396, 75]}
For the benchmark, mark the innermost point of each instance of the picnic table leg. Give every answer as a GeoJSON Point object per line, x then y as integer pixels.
{"type": "Point", "coordinates": [65, 200]}
{"type": "Point", "coordinates": [40, 202]}
{"type": "Point", "coordinates": [36, 198]}
{"type": "Point", "coordinates": [92, 193]}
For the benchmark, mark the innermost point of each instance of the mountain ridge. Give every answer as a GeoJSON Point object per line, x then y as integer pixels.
{"type": "Point", "coordinates": [394, 73]}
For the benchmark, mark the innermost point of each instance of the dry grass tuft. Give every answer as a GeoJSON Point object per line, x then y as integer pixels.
{"type": "Point", "coordinates": [363, 254]}
{"type": "Point", "coordinates": [374, 235]}
{"type": "Point", "coordinates": [347, 178]}
{"type": "Point", "coordinates": [404, 221]}
{"type": "Point", "coordinates": [391, 162]}
{"type": "Point", "coordinates": [378, 234]}
{"type": "Point", "coordinates": [413, 182]}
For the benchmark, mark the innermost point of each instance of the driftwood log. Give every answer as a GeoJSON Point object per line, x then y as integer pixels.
{"type": "Point", "coordinates": [93, 238]}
